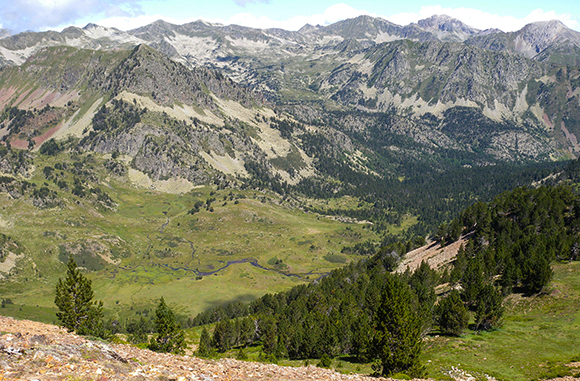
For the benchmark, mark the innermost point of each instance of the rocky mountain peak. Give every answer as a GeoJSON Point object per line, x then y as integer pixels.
{"type": "Point", "coordinates": [549, 31]}
{"type": "Point", "coordinates": [308, 28]}
{"type": "Point", "coordinates": [447, 28]}
{"type": "Point", "coordinates": [154, 31]}
{"type": "Point", "coordinates": [91, 26]}
{"type": "Point", "coordinates": [360, 27]}
{"type": "Point", "coordinates": [536, 37]}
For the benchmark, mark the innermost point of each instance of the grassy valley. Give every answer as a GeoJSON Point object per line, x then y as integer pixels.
{"type": "Point", "coordinates": [199, 249]}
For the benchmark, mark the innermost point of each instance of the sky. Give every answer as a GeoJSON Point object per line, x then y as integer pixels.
{"type": "Point", "coordinates": [41, 15]}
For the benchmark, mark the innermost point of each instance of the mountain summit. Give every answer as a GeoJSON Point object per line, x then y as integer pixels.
{"type": "Point", "coordinates": [447, 28]}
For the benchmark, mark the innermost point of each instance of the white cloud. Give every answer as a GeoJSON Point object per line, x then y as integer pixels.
{"type": "Point", "coordinates": [49, 14]}
{"type": "Point", "coordinates": [484, 20]}
{"type": "Point", "coordinates": [243, 3]}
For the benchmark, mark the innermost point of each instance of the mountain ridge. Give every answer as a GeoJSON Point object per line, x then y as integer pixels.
{"type": "Point", "coordinates": [437, 27]}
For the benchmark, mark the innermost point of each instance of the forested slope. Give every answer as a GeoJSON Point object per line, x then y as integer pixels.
{"type": "Point", "coordinates": [366, 311]}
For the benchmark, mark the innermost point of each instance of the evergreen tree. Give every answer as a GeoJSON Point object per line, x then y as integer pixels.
{"type": "Point", "coordinates": [247, 331]}
{"type": "Point", "coordinates": [138, 331]}
{"type": "Point", "coordinates": [459, 266]}
{"type": "Point", "coordinates": [472, 281]}
{"type": "Point", "coordinates": [205, 347]}
{"type": "Point", "coordinates": [397, 341]}
{"type": "Point", "coordinates": [423, 283]}
{"type": "Point", "coordinates": [170, 337]}
{"type": "Point", "coordinates": [223, 335]}
{"type": "Point", "coordinates": [267, 331]}
{"type": "Point", "coordinates": [74, 299]}
{"type": "Point", "coordinates": [361, 338]}
{"type": "Point", "coordinates": [537, 273]}
{"type": "Point", "coordinates": [489, 309]}
{"type": "Point", "coordinates": [452, 315]}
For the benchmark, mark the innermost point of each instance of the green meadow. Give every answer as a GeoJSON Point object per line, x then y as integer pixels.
{"type": "Point", "coordinates": [244, 244]}
{"type": "Point", "coordinates": [538, 338]}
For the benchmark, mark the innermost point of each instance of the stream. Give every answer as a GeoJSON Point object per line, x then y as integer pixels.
{"type": "Point", "coordinates": [196, 272]}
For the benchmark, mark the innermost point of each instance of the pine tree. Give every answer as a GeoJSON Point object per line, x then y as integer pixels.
{"type": "Point", "coordinates": [452, 316]}
{"type": "Point", "coordinates": [489, 309]}
{"type": "Point", "coordinates": [537, 273]}
{"type": "Point", "coordinates": [397, 341]}
{"type": "Point", "coordinates": [138, 331]}
{"type": "Point", "coordinates": [247, 331]}
{"type": "Point", "coordinates": [267, 332]}
{"type": "Point", "coordinates": [361, 338]}
{"type": "Point", "coordinates": [170, 337]}
{"type": "Point", "coordinates": [205, 347]}
{"type": "Point", "coordinates": [223, 335]}
{"type": "Point", "coordinates": [74, 299]}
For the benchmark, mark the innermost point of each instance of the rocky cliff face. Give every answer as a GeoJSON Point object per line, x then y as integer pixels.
{"type": "Point", "coordinates": [435, 85]}
{"type": "Point", "coordinates": [447, 28]}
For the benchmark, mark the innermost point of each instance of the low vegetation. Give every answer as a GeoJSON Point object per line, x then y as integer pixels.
{"type": "Point", "coordinates": [365, 312]}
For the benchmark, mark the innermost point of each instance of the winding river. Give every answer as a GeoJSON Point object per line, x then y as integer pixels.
{"type": "Point", "coordinates": [196, 272]}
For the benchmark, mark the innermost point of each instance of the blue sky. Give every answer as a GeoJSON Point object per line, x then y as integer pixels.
{"type": "Point", "coordinates": [20, 15]}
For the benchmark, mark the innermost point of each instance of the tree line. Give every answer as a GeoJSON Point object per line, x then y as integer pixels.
{"type": "Point", "coordinates": [366, 311]}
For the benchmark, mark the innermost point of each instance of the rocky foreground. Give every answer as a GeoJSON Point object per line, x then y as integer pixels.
{"type": "Point", "coordinates": [36, 351]}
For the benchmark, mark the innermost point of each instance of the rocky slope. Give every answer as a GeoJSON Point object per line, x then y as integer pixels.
{"type": "Point", "coordinates": [169, 120]}
{"type": "Point", "coordinates": [543, 41]}
{"type": "Point", "coordinates": [436, 76]}
{"type": "Point", "coordinates": [36, 351]}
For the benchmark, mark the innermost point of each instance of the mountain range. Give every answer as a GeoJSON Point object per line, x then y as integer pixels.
{"type": "Point", "coordinates": [213, 164]}
{"type": "Point", "coordinates": [421, 71]}
{"type": "Point", "coordinates": [409, 123]}
{"type": "Point", "coordinates": [362, 95]}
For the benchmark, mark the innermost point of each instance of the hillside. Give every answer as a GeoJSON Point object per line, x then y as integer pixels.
{"type": "Point", "coordinates": [30, 350]}
{"type": "Point", "coordinates": [140, 243]}
{"type": "Point", "coordinates": [280, 177]}
{"type": "Point", "coordinates": [158, 177]}
{"type": "Point", "coordinates": [507, 266]}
